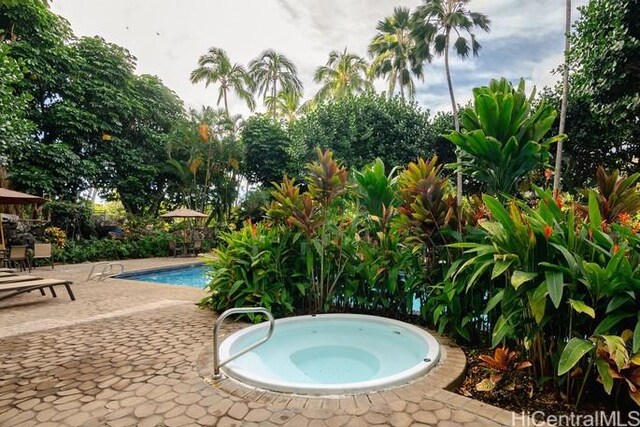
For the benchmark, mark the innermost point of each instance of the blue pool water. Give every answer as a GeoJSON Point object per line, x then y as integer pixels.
{"type": "Point", "coordinates": [193, 276]}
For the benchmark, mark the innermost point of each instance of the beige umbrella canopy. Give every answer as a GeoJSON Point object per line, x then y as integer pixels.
{"type": "Point", "coordinates": [184, 213]}
{"type": "Point", "coordinates": [10, 197]}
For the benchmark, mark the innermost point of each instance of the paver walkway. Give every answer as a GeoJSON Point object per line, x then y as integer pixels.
{"type": "Point", "coordinates": [126, 354]}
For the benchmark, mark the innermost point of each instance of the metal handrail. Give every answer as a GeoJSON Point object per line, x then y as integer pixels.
{"type": "Point", "coordinates": [103, 275]}
{"type": "Point", "coordinates": [217, 364]}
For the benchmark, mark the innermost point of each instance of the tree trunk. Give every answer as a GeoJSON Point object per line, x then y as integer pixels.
{"type": "Point", "coordinates": [565, 96]}
{"type": "Point", "coordinates": [226, 106]}
{"type": "Point", "coordinates": [454, 108]}
{"type": "Point", "coordinates": [273, 97]}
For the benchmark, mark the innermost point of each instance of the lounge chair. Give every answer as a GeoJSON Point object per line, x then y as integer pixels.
{"type": "Point", "coordinates": [7, 273]}
{"type": "Point", "coordinates": [15, 279]}
{"type": "Point", "coordinates": [6, 270]}
{"type": "Point", "coordinates": [16, 288]}
{"type": "Point", "coordinates": [43, 251]}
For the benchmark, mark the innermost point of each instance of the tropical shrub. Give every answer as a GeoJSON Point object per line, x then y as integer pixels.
{"type": "Point", "coordinates": [147, 246]}
{"type": "Point", "coordinates": [502, 138]}
{"type": "Point", "coordinates": [75, 219]}
{"type": "Point", "coordinates": [268, 155]}
{"type": "Point", "coordinates": [359, 129]}
{"type": "Point", "coordinates": [338, 245]}
{"type": "Point", "coordinates": [547, 275]}
{"type": "Point", "coordinates": [502, 366]}
{"type": "Point", "coordinates": [248, 269]}
{"type": "Point", "coordinates": [618, 197]}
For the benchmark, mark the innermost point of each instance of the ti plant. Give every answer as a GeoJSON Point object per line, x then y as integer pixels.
{"type": "Point", "coordinates": [502, 139]}
{"type": "Point", "coordinates": [427, 205]}
{"type": "Point", "coordinates": [618, 197]}
{"type": "Point", "coordinates": [325, 247]}
{"type": "Point", "coordinates": [610, 356]}
{"type": "Point", "coordinates": [503, 365]}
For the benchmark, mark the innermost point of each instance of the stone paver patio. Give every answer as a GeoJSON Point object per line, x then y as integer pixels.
{"type": "Point", "coordinates": [137, 354]}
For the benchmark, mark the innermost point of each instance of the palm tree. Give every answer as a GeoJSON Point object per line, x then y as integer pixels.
{"type": "Point", "coordinates": [215, 67]}
{"type": "Point", "coordinates": [344, 74]}
{"type": "Point", "coordinates": [396, 53]}
{"type": "Point", "coordinates": [272, 72]}
{"type": "Point", "coordinates": [565, 95]}
{"type": "Point", "coordinates": [447, 16]}
{"type": "Point", "coordinates": [286, 105]}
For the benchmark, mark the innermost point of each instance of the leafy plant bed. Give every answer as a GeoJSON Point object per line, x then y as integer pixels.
{"type": "Point", "coordinates": [526, 396]}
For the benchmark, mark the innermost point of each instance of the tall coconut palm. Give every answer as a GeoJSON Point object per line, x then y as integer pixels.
{"type": "Point", "coordinates": [396, 53]}
{"type": "Point", "coordinates": [214, 67]}
{"type": "Point", "coordinates": [286, 105]}
{"type": "Point", "coordinates": [272, 72]}
{"type": "Point", "coordinates": [447, 16]}
{"type": "Point", "coordinates": [565, 95]}
{"type": "Point", "coordinates": [344, 74]}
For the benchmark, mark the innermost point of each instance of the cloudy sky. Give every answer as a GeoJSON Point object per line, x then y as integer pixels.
{"type": "Point", "coordinates": [167, 36]}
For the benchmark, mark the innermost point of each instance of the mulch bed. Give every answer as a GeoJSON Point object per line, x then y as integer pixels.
{"type": "Point", "coordinates": [526, 396]}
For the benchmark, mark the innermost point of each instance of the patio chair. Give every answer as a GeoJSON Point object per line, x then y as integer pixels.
{"type": "Point", "coordinates": [17, 288]}
{"type": "Point", "coordinates": [18, 256]}
{"type": "Point", "coordinates": [197, 247]}
{"type": "Point", "coordinates": [173, 247]}
{"type": "Point", "coordinates": [43, 251]}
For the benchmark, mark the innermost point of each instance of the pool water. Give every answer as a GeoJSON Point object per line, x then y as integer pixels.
{"type": "Point", "coordinates": [193, 276]}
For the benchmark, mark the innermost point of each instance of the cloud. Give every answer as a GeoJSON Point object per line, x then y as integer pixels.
{"type": "Point", "coordinates": [167, 37]}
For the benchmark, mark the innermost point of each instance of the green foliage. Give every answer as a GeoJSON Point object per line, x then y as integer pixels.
{"type": "Point", "coordinates": [215, 67]}
{"type": "Point", "coordinates": [502, 138]}
{"type": "Point", "coordinates": [267, 151]}
{"type": "Point", "coordinates": [73, 218]}
{"type": "Point", "coordinates": [273, 73]}
{"type": "Point", "coordinates": [319, 249]}
{"type": "Point", "coordinates": [547, 275]}
{"type": "Point", "coordinates": [345, 74]}
{"type": "Point", "coordinates": [427, 205]}
{"type": "Point", "coordinates": [618, 198]}
{"type": "Point", "coordinates": [15, 128]}
{"type": "Point", "coordinates": [147, 246]}
{"type": "Point", "coordinates": [604, 95]}
{"type": "Point", "coordinates": [398, 55]}
{"type": "Point", "coordinates": [360, 129]}
{"type": "Point", "coordinates": [247, 271]}
{"type": "Point", "coordinates": [376, 187]}
{"type": "Point", "coordinates": [96, 124]}
{"type": "Point", "coordinates": [205, 156]}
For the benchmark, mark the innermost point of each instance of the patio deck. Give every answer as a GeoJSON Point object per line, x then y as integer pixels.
{"type": "Point", "coordinates": [134, 354]}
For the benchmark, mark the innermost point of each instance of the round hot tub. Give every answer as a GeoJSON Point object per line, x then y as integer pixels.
{"type": "Point", "coordinates": [331, 354]}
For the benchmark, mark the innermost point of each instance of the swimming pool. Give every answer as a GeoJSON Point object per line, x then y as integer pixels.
{"type": "Point", "coordinates": [330, 354]}
{"type": "Point", "coordinates": [193, 276]}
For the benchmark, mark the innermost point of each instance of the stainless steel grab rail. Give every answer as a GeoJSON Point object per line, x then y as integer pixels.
{"type": "Point", "coordinates": [217, 364]}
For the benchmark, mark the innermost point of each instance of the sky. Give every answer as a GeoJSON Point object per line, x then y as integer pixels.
{"type": "Point", "coordinates": [168, 36]}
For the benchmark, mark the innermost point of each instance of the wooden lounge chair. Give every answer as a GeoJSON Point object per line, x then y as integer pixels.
{"type": "Point", "coordinates": [6, 270]}
{"type": "Point", "coordinates": [16, 288]}
{"type": "Point", "coordinates": [15, 279]}
{"type": "Point", "coordinates": [7, 274]}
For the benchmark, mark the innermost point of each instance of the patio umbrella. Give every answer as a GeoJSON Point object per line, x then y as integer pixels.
{"type": "Point", "coordinates": [184, 213]}
{"type": "Point", "coordinates": [10, 197]}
